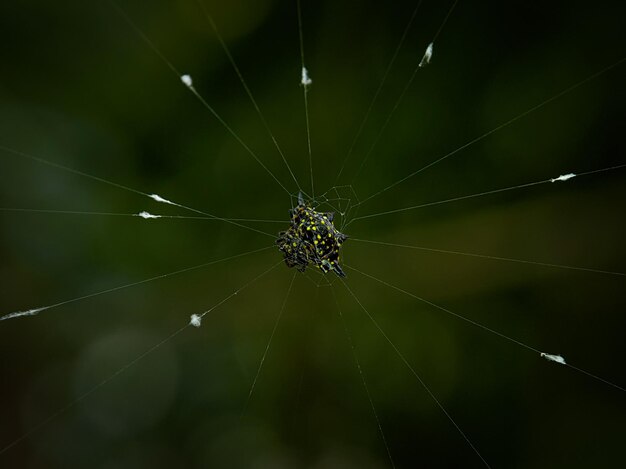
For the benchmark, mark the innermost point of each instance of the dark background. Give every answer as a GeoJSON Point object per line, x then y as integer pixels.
{"type": "Point", "coordinates": [78, 87]}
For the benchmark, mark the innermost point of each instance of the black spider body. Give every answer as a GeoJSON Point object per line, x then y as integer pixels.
{"type": "Point", "coordinates": [311, 239]}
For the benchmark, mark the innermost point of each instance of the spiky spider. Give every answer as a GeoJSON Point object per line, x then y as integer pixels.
{"type": "Point", "coordinates": [311, 238]}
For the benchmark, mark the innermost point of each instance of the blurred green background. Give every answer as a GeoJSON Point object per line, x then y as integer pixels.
{"type": "Point", "coordinates": [79, 88]}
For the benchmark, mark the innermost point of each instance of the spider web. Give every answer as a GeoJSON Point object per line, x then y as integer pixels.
{"type": "Point", "coordinates": [308, 405]}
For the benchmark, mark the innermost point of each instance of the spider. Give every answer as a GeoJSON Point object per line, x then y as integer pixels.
{"type": "Point", "coordinates": [311, 238]}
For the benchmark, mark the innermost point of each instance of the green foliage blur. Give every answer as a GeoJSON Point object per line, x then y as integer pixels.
{"type": "Point", "coordinates": [79, 88]}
